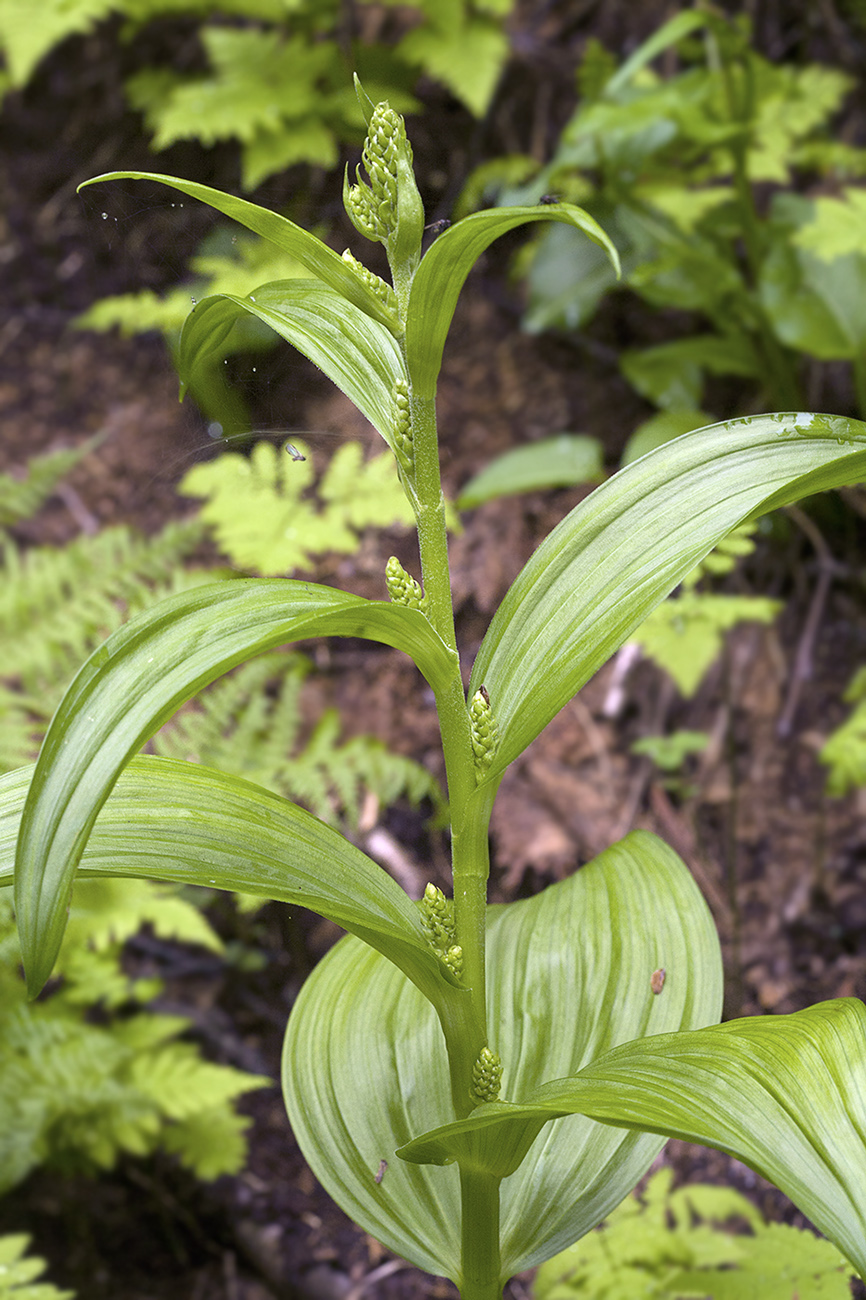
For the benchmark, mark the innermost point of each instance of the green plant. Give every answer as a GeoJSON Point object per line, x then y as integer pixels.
{"type": "Point", "coordinates": [678, 167]}
{"type": "Point", "coordinates": [18, 1272]}
{"type": "Point", "coordinates": [672, 1246]}
{"type": "Point", "coordinates": [75, 1091]}
{"type": "Point", "coordinates": [262, 515]}
{"type": "Point", "coordinates": [275, 75]}
{"type": "Point", "coordinates": [406, 1034]}
{"type": "Point", "coordinates": [250, 724]}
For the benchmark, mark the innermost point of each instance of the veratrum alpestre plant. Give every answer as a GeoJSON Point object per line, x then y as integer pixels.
{"type": "Point", "coordinates": [521, 1061]}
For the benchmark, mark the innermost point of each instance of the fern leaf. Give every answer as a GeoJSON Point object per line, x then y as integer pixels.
{"type": "Point", "coordinates": [684, 635]}
{"type": "Point", "coordinates": [175, 1078]}
{"type": "Point", "coordinates": [18, 1272]}
{"type": "Point", "coordinates": [20, 498]}
{"type": "Point", "coordinates": [210, 1143]}
{"type": "Point", "coordinates": [263, 520]}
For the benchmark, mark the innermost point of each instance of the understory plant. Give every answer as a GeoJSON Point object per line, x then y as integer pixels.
{"type": "Point", "coordinates": [478, 1087]}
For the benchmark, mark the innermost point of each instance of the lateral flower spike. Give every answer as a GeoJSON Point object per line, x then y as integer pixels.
{"type": "Point", "coordinates": [483, 731]}
{"type": "Point", "coordinates": [402, 587]}
{"type": "Point", "coordinates": [380, 287]}
{"type": "Point", "coordinates": [486, 1077]}
{"type": "Point", "coordinates": [389, 208]}
{"type": "Point", "coordinates": [403, 423]}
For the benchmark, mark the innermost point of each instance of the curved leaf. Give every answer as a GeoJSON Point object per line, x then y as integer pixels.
{"type": "Point", "coordinates": [308, 249]}
{"type": "Point", "coordinates": [784, 1094]}
{"type": "Point", "coordinates": [570, 975]}
{"type": "Point", "coordinates": [356, 352]}
{"type": "Point", "coordinates": [617, 555]}
{"type": "Point", "coordinates": [445, 266]}
{"type": "Point", "coordinates": [134, 683]}
{"type": "Point", "coordinates": [186, 823]}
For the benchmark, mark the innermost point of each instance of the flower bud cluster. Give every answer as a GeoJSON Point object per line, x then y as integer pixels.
{"type": "Point", "coordinates": [389, 208]}
{"type": "Point", "coordinates": [484, 732]}
{"type": "Point", "coordinates": [380, 287]}
{"type": "Point", "coordinates": [437, 917]}
{"type": "Point", "coordinates": [486, 1077]}
{"type": "Point", "coordinates": [402, 422]}
{"type": "Point", "coordinates": [402, 587]}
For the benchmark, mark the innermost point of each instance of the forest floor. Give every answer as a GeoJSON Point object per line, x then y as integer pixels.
{"type": "Point", "coordinates": [782, 866]}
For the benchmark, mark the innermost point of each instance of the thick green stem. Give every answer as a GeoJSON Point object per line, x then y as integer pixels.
{"type": "Point", "coordinates": [482, 1265]}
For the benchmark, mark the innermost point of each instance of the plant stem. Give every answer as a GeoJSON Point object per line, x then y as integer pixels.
{"type": "Point", "coordinates": [481, 1264]}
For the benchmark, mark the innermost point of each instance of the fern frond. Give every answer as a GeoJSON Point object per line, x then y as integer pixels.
{"type": "Point", "coordinates": [58, 604]}
{"type": "Point", "coordinates": [684, 634]}
{"type": "Point", "coordinates": [264, 517]}
{"type": "Point", "coordinates": [844, 753]}
{"type": "Point", "coordinates": [21, 497]}
{"type": "Point", "coordinates": [18, 1272]}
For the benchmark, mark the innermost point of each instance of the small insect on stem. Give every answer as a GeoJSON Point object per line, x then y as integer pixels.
{"type": "Point", "coordinates": [438, 226]}
{"type": "Point", "coordinates": [657, 980]}
{"type": "Point", "coordinates": [380, 1173]}
{"type": "Point", "coordinates": [293, 452]}
{"type": "Point", "coordinates": [550, 198]}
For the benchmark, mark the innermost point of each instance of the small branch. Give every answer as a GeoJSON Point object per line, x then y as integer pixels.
{"type": "Point", "coordinates": [801, 670]}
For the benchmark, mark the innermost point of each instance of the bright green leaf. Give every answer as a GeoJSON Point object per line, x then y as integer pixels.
{"type": "Point", "coordinates": [563, 461]}
{"type": "Point", "coordinates": [598, 575]}
{"type": "Point", "coordinates": [784, 1094]}
{"type": "Point", "coordinates": [308, 249]}
{"type": "Point", "coordinates": [192, 825]}
{"type": "Point", "coordinates": [134, 683]}
{"type": "Point", "coordinates": [446, 264]}
{"type": "Point", "coordinates": [364, 1065]}
{"type": "Point", "coordinates": [353, 350]}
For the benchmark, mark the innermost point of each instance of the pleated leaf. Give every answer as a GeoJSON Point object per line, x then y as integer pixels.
{"type": "Point", "coordinates": [616, 556]}
{"type": "Point", "coordinates": [446, 264]}
{"type": "Point", "coordinates": [134, 683]}
{"type": "Point", "coordinates": [353, 350]}
{"type": "Point", "coordinates": [308, 249]}
{"type": "Point", "coordinates": [570, 974]}
{"type": "Point", "coordinates": [784, 1094]}
{"type": "Point", "coordinates": [192, 825]}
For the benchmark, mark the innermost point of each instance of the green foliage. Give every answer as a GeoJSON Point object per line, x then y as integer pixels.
{"type": "Point", "coordinates": [56, 605]}
{"type": "Point", "coordinates": [77, 1091]}
{"type": "Point", "coordinates": [669, 753]}
{"type": "Point", "coordinates": [276, 80]}
{"type": "Point", "coordinates": [844, 752]}
{"type": "Point", "coordinates": [566, 460]}
{"type": "Point", "coordinates": [264, 518]}
{"type": "Point", "coordinates": [251, 724]}
{"type": "Point", "coordinates": [671, 164]}
{"type": "Point", "coordinates": [601, 995]}
{"type": "Point", "coordinates": [18, 1272]}
{"type": "Point", "coordinates": [21, 497]}
{"type": "Point", "coordinates": [684, 635]}
{"type": "Point", "coordinates": [673, 1246]}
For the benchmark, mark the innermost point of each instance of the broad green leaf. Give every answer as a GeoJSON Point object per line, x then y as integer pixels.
{"type": "Point", "coordinates": [616, 556]}
{"type": "Point", "coordinates": [182, 822]}
{"type": "Point", "coordinates": [562, 461]}
{"type": "Point", "coordinates": [445, 266]}
{"type": "Point", "coordinates": [569, 975]}
{"type": "Point", "coordinates": [308, 249]}
{"type": "Point", "coordinates": [784, 1094]}
{"type": "Point", "coordinates": [661, 428]}
{"type": "Point", "coordinates": [133, 683]}
{"type": "Point", "coordinates": [352, 349]}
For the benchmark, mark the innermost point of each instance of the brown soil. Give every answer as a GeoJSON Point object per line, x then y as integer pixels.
{"type": "Point", "coordinates": [782, 866]}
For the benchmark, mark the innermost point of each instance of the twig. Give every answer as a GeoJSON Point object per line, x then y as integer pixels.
{"type": "Point", "coordinates": [377, 1275]}
{"type": "Point", "coordinates": [802, 667]}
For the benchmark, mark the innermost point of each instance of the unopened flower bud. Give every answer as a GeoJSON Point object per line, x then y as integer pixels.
{"type": "Point", "coordinates": [486, 1077]}
{"type": "Point", "coordinates": [484, 732]}
{"type": "Point", "coordinates": [402, 587]}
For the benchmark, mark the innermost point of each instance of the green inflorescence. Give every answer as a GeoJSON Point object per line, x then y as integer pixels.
{"type": "Point", "coordinates": [484, 732]}
{"type": "Point", "coordinates": [486, 1077]}
{"type": "Point", "coordinates": [402, 587]}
